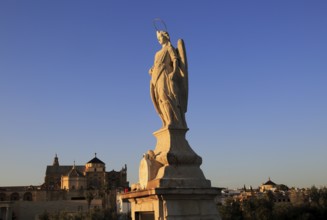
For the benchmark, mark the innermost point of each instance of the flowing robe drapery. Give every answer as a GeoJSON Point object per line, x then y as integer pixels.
{"type": "Point", "coordinates": [164, 88]}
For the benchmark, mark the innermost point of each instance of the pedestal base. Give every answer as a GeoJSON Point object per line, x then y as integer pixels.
{"type": "Point", "coordinates": [170, 176]}
{"type": "Point", "coordinates": [174, 204]}
{"type": "Point", "coordinates": [172, 185]}
{"type": "Point", "coordinates": [173, 163]}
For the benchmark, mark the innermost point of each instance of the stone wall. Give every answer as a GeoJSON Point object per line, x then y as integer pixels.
{"type": "Point", "coordinates": [25, 210]}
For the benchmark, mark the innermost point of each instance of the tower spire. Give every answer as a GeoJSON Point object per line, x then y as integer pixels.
{"type": "Point", "coordinates": [56, 161]}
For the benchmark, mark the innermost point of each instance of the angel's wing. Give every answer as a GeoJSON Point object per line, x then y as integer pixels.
{"type": "Point", "coordinates": [184, 73]}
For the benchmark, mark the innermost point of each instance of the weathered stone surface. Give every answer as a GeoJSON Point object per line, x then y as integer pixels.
{"type": "Point", "coordinates": [172, 148]}
{"type": "Point", "coordinates": [148, 170]}
{"type": "Point", "coordinates": [173, 163]}
{"type": "Point", "coordinates": [176, 204]}
{"type": "Point", "coordinates": [171, 184]}
{"type": "Point", "coordinates": [169, 82]}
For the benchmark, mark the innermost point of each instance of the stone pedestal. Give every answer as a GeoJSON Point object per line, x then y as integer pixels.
{"type": "Point", "coordinates": [180, 164]}
{"type": "Point", "coordinates": [174, 204]}
{"type": "Point", "coordinates": [172, 186]}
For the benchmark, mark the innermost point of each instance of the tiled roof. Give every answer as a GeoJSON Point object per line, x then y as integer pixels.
{"type": "Point", "coordinates": [96, 160]}
{"type": "Point", "coordinates": [75, 172]}
{"type": "Point", "coordinates": [269, 182]}
{"type": "Point", "coordinates": [62, 170]}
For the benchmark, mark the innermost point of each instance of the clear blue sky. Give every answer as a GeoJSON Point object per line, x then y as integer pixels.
{"type": "Point", "coordinates": [74, 81]}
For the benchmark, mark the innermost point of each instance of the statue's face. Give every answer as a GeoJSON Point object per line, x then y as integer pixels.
{"type": "Point", "coordinates": [161, 39]}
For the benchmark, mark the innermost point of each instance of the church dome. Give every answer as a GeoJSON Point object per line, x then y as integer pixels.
{"type": "Point", "coordinates": [270, 183]}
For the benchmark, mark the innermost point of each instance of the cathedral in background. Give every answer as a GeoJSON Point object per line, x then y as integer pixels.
{"type": "Point", "coordinates": [91, 176]}
{"type": "Point", "coordinates": [66, 187]}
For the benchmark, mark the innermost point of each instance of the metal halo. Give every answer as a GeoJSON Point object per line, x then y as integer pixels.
{"type": "Point", "coordinates": [162, 22]}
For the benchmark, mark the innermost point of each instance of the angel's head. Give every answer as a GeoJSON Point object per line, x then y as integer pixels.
{"type": "Point", "coordinates": [163, 37]}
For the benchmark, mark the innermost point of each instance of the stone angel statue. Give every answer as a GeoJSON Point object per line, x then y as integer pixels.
{"type": "Point", "coordinates": [169, 82]}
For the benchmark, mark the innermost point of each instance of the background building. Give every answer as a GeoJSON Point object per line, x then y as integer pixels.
{"type": "Point", "coordinates": [269, 185]}
{"type": "Point", "coordinates": [91, 176]}
{"type": "Point", "coordinates": [65, 188]}
{"type": "Point", "coordinates": [74, 180]}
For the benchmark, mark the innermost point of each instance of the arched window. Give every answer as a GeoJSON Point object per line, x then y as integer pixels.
{"type": "Point", "coordinates": [28, 196]}
{"type": "Point", "coordinates": [14, 196]}
{"type": "Point", "coordinates": [3, 197]}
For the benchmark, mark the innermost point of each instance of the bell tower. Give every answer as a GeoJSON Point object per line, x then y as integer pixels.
{"type": "Point", "coordinates": [56, 161]}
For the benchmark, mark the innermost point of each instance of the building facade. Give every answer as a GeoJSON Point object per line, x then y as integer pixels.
{"type": "Point", "coordinates": [91, 176]}
{"type": "Point", "coordinates": [269, 185]}
{"type": "Point", "coordinates": [74, 180]}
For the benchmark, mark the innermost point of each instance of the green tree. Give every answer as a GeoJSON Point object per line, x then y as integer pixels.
{"type": "Point", "coordinates": [264, 208]}
{"type": "Point", "coordinates": [282, 187]}
{"type": "Point", "coordinates": [283, 211]}
{"type": "Point", "coordinates": [89, 197]}
{"type": "Point", "coordinates": [249, 208]}
{"type": "Point", "coordinates": [314, 196]}
{"type": "Point", "coordinates": [323, 197]}
{"type": "Point", "coordinates": [44, 216]}
{"type": "Point", "coordinates": [231, 210]}
{"type": "Point", "coordinates": [269, 196]}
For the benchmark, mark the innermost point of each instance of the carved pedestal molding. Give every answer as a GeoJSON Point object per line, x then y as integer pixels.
{"type": "Point", "coordinates": [180, 165]}
{"type": "Point", "coordinates": [174, 204]}
{"type": "Point", "coordinates": [172, 186]}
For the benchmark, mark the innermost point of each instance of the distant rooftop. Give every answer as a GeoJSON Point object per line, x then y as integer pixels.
{"type": "Point", "coordinates": [96, 160]}
{"type": "Point", "coordinates": [269, 182]}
